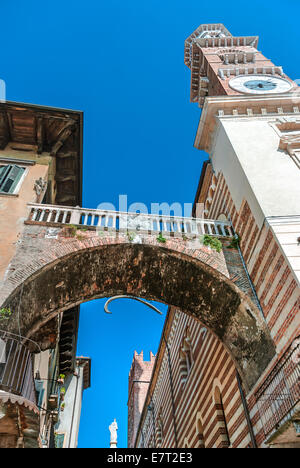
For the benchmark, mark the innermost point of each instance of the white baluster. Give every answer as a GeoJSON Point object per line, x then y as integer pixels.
{"type": "Point", "coordinates": [57, 216]}
{"type": "Point", "coordinates": [35, 213]}
{"type": "Point", "coordinates": [75, 217]}
{"type": "Point", "coordinates": [65, 214]}
{"type": "Point", "coordinates": [85, 218]}
{"type": "Point", "coordinates": [209, 228]}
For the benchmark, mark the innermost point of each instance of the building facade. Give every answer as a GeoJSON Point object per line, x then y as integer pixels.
{"type": "Point", "coordinates": [40, 162]}
{"type": "Point", "coordinates": [250, 128]}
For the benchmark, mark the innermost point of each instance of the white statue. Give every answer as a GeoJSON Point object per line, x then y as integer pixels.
{"type": "Point", "coordinates": [113, 433]}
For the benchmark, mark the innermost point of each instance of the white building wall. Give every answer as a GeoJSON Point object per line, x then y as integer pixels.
{"type": "Point", "coordinates": [247, 152]}
{"type": "Point", "coordinates": [69, 418]}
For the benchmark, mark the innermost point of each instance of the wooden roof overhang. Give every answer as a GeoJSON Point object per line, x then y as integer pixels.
{"type": "Point", "coordinates": [57, 132]}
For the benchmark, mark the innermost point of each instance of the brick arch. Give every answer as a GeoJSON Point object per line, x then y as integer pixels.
{"type": "Point", "coordinates": [62, 272]}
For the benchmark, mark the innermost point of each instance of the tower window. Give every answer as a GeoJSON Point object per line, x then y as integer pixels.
{"type": "Point", "coordinates": [10, 176]}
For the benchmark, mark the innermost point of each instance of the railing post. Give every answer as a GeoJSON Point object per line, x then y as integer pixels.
{"type": "Point", "coordinates": [75, 216]}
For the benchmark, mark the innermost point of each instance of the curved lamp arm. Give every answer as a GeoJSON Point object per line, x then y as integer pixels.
{"type": "Point", "coordinates": [130, 297]}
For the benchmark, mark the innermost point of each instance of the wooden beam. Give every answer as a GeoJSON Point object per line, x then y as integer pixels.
{"type": "Point", "coordinates": [61, 199]}
{"type": "Point", "coordinates": [4, 130]}
{"type": "Point", "coordinates": [40, 134]}
{"type": "Point", "coordinates": [63, 135]}
{"type": "Point", "coordinates": [64, 177]}
{"type": "Point", "coordinates": [70, 154]}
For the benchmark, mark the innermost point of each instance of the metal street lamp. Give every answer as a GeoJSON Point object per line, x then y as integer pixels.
{"type": "Point", "coordinates": [130, 297]}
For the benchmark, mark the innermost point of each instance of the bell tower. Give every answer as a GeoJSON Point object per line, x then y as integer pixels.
{"type": "Point", "coordinates": [225, 65]}
{"type": "Point", "coordinates": [250, 128]}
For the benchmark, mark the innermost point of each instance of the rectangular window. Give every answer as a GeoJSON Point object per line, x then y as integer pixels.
{"type": "Point", "coordinates": [10, 177]}
{"type": "Point", "coordinates": [59, 440]}
{"type": "Point", "coordinates": [39, 387]}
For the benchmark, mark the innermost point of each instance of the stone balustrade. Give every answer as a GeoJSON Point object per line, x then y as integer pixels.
{"type": "Point", "coordinates": [122, 221]}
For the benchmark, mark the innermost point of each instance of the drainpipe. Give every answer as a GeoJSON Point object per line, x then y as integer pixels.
{"type": "Point", "coordinates": [246, 411]}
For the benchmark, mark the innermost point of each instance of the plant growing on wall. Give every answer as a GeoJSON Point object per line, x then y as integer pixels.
{"type": "Point", "coordinates": [235, 242]}
{"type": "Point", "coordinates": [62, 393]}
{"type": "Point", "coordinates": [5, 313]}
{"type": "Point", "coordinates": [61, 379]}
{"type": "Point", "coordinates": [71, 230]}
{"type": "Point", "coordinates": [161, 239]}
{"type": "Point", "coordinates": [212, 242]}
{"type": "Point", "coordinates": [131, 236]}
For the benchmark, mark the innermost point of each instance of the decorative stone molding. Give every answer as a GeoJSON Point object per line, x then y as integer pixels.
{"type": "Point", "coordinates": [288, 130]}
{"type": "Point", "coordinates": [243, 107]}
{"type": "Point", "coordinates": [236, 56]}
{"type": "Point", "coordinates": [224, 72]}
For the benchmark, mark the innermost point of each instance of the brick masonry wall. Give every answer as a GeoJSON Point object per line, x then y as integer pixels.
{"type": "Point", "coordinates": [274, 280]}
{"type": "Point", "coordinates": [139, 379]}
{"type": "Point", "coordinates": [273, 277]}
{"type": "Point", "coordinates": [198, 418]}
{"type": "Point", "coordinates": [56, 268]}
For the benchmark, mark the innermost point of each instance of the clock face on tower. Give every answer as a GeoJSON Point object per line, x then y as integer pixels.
{"type": "Point", "coordinates": [260, 84]}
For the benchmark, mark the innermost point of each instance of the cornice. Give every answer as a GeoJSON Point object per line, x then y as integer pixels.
{"type": "Point", "coordinates": [243, 107]}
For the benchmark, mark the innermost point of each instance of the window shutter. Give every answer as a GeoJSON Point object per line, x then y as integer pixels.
{"type": "Point", "coordinates": [10, 178]}
{"type": "Point", "coordinates": [4, 170]}
{"type": "Point", "coordinates": [39, 387]}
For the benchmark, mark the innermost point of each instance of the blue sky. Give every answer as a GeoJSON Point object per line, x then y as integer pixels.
{"type": "Point", "coordinates": [121, 62]}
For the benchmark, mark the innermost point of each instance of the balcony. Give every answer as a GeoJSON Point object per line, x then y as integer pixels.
{"type": "Point", "coordinates": [16, 370]}
{"type": "Point", "coordinates": [19, 414]}
{"type": "Point", "coordinates": [279, 396]}
{"type": "Point", "coordinates": [106, 220]}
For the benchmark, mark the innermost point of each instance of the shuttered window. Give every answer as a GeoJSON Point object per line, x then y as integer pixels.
{"type": "Point", "coordinates": [39, 387]}
{"type": "Point", "coordinates": [9, 177]}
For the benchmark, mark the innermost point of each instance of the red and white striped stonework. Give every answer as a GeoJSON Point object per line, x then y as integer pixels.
{"type": "Point", "coordinates": [204, 409]}
{"type": "Point", "coordinates": [201, 405]}
{"type": "Point", "coordinates": [275, 281]}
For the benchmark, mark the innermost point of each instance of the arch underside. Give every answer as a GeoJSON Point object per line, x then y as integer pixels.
{"type": "Point", "coordinates": [153, 273]}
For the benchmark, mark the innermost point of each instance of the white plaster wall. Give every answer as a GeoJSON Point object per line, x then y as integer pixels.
{"type": "Point", "coordinates": [69, 419]}
{"type": "Point", "coordinates": [287, 232]}
{"type": "Point", "coordinates": [246, 151]}
{"type": "Point", "coordinates": [225, 159]}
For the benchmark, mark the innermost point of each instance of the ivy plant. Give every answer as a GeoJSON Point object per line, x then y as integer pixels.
{"type": "Point", "coordinates": [235, 242]}
{"type": "Point", "coordinates": [161, 239]}
{"type": "Point", "coordinates": [72, 229]}
{"type": "Point", "coordinates": [5, 313]}
{"type": "Point", "coordinates": [131, 236]}
{"type": "Point", "coordinates": [212, 242]}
